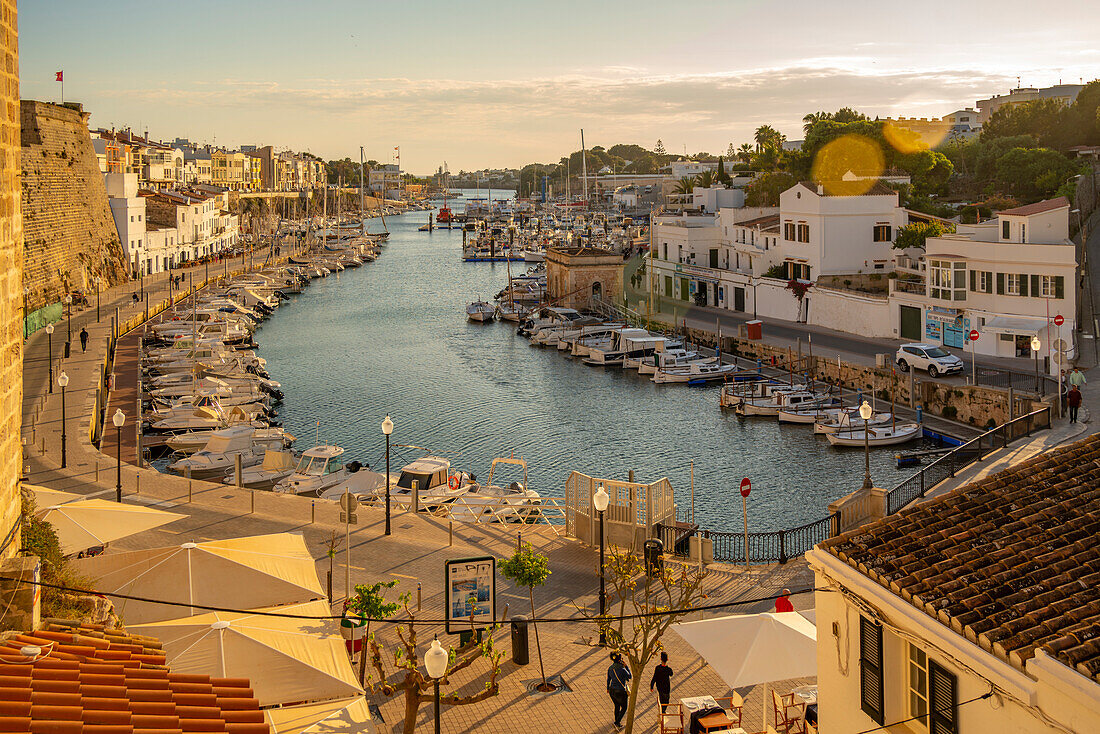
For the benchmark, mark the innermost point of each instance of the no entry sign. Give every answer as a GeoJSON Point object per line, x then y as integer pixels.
{"type": "Point", "coordinates": [973, 335]}
{"type": "Point", "coordinates": [1059, 320]}
{"type": "Point", "coordinates": [746, 486]}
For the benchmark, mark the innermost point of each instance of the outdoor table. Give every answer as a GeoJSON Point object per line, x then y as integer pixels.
{"type": "Point", "coordinates": [704, 714]}
{"type": "Point", "coordinates": [808, 696]}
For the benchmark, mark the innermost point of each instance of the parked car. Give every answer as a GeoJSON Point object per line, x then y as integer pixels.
{"type": "Point", "coordinates": [935, 359]}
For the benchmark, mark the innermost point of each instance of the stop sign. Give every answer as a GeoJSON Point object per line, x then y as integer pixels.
{"type": "Point", "coordinates": [973, 335]}
{"type": "Point", "coordinates": [1059, 320]}
{"type": "Point", "coordinates": [746, 485]}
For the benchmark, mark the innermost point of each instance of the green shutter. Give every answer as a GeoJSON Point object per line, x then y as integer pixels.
{"type": "Point", "coordinates": [943, 700]}
{"type": "Point", "coordinates": [973, 280]}
{"type": "Point", "coordinates": [1023, 285]}
{"type": "Point", "coordinates": [871, 684]}
{"type": "Point", "coordinates": [1035, 290]}
{"type": "Point", "coordinates": [1000, 284]}
{"type": "Point", "coordinates": [1059, 287]}
{"type": "Point", "coordinates": [989, 282]}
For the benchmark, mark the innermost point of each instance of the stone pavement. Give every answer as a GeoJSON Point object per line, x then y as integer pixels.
{"type": "Point", "coordinates": [414, 554]}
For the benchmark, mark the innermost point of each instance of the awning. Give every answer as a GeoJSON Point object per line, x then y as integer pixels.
{"type": "Point", "coordinates": [1017, 325]}
{"type": "Point", "coordinates": [84, 524]}
{"type": "Point", "coordinates": [346, 716]}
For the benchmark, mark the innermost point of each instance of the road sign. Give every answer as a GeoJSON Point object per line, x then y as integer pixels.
{"type": "Point", "coordinates": [350, 519]}
{"type": "Point", "coordinates": [973, 335]}
{"type": "Point", "coordinates": [1059, 320]}
{"type": "Point", "coordinates": [349, 502]}
{"type": "Point", "coordinates": [746, 486]}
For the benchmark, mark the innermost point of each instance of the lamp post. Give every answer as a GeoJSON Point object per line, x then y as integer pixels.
{"type": "Point", "coordinates": [435, 660]}
{"type": "Point", "coordinates": [26, 323]}
{"type": "Point", "coordinates": [49, 352]}
{"type": "Point", "coordinates": [387, 429]}
{"type": "Point", "coordinates": [1036, 345]}
{"type": "Point", "coordinates": [63, 381]}
{"type": "Point", "coordinates": [600, 501]}
{"type": "Point", "coordinates": [68, 323]}
{"type": "Point", "coordinates": [119, 419]}
{"type": "Point", "coordinates": [98, 288]}
{"type": "Point", "coordinates": [865, 412]}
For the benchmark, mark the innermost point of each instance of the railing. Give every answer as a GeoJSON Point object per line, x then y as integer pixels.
{"type": "Point", "coordinates": [950, 463]}
{"type": "Point", "coordinates": [908, 286]}
{"type": "Point", "coordinates": [768, 547]}
{"type": "Point", "coordinates": [995, 377]}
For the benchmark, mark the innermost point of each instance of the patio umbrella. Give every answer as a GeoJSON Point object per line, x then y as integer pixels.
{"type": "Point", "coordinates": [46, 497]}
{"type": "Point", "coordinates": [749, 649]}
{"type": "Point", "coordinates": [238, 573]}
{"type": "Point", "coordinates": [84, 524]}
{"type": "Point", "coordinates": [287, 660]}
{"type": "Point", "coordinates": [346, 716]}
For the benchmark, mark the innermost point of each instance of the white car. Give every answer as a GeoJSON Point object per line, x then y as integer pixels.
{"type": "Point", "coordinates": [935, 359]}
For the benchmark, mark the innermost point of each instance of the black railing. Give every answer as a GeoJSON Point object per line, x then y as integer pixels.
{"type": "Point", "coordinates": [1024, 381]}
{"type": "Point", "coordinates": [768, 547]}
{"type": "Point", "coordinates": [947, 465]}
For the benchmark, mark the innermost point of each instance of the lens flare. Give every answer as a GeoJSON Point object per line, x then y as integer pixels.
{"type": "Point", "coordinates": [849, 165]}
{"type": "Point", "coordinates": [915, 137]}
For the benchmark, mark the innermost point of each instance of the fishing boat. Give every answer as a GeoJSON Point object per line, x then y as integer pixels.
{"type": "Point", "coordinates": [890, 435]}
{"type": "Point", "coordinates": [695, 373]}
{"type": "Point", "coordinates": [849, 419]}
{"type": "Point", "coordinates": [782, 399]}
{"type": "Point", "coordinates": [666, 359]}
{"type": "Point", "coordinates": [480, 311]}
{"type": "Point", "coordinates": [735, 393]}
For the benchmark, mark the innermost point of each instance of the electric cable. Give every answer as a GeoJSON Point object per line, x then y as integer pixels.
{"type": "Point", "coordinates": [929, 714]}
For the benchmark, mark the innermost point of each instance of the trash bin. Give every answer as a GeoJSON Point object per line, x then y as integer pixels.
{"type": "Point", "coordinates": [521, 649]}
{"type": "Point", "coordinates": [754, 329]}
{"type": "Point", "coordinates": [654, 550]}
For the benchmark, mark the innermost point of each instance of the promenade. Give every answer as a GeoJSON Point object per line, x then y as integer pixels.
{"type": "Point", "coordinates": [413, 554]}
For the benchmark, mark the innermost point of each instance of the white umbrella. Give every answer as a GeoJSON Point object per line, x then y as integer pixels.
{"type": "Point", "coordinates": [749, 649]}
{"type": "Point", "coordinates": [346, 716]}
{"type": "Point", "coordinates": [45, 497]}
{"type": "Point", "coordinates": [84, 524]}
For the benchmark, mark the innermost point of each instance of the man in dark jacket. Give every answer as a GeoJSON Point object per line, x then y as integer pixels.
{"type": "Point", "coordinates": [618, 675]}
{"type": "Point", "coordinates": [1073, 400]}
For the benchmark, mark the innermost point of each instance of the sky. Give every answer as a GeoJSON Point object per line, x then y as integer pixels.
{"type": "Point", "coordinates": [483, 83]}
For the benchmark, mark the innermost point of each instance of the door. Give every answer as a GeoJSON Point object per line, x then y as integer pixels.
{"type": "Point", "coordinates": [952, 337]}
{"type": "Point", "coordinates": [738, 299]}
{"type": "Point", "coordinates": [683, 289]}
{"type": "Point", "coordinates": [714, 258]}
{"type": "Point", "coordinates": [910, 323]}
{"type": "Point", "coordinates": [668, 286]}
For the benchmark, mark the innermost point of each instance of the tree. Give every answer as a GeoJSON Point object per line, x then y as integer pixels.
{"type": "Point", "coordinates": [766, 188]}
{"type": "Point", "coordinates": [768, 138]}
{"type": "Point", "coordinates": [685, 185]}
{"type": "Point", "coordinates": [1032, 174]}
{"type": "Point", "coordinates": [799, 288]}
{"type": "Point", "coordinates": [527, 568]}
{"type": "Point", "coordinates": [705, 179]}
{"type": "Point", "coordinates": [659, 149]}
{"type": "Point", "coordinates": [721, 176]}
{"type": "Point", "coordinates": [744, 153]}
{"type": "Point", "coordinates": [417, 686]}
{"type": "Point", "coordinates": [917, 234]}
{"type": "Point", "coordinates": [642, 609]}
{"type": "Point", "coordinates": [1048, 121]}
{"type": "Point", "coordinates": [731, 152]}
{"type": "Point", "coordinates": [369, 603]}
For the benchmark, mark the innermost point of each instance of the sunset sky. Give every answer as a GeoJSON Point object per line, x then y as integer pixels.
{"type": "Point", "coordinates": [491, 84]}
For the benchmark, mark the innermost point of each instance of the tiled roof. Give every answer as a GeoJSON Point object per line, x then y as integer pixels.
{"type": "Point", "coordinates": [90, 679]}
{"type": "Point", "coordinates": [1010, 562]}
{"type": "Point", "coordinates": [759, 221]}
{"type": "Point", "coordinates": [1037, 208]}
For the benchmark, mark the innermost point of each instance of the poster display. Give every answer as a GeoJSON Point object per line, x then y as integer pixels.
{"type": "Point", "coordinates": [469, 590]}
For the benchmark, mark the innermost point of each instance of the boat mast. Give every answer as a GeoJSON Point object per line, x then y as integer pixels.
{"type": "Point", "coordinates": [362, 212]}
{"type": "Point", "coordinates": [584, 170]}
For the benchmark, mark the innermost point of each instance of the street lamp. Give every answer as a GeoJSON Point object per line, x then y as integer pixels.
{"type": "Point", "coordinates": [49, 352]}
{"type": "Point", "coordinates": [600, 501]}
{"type": "Point", "coordinates": [865, 412]}
{"type": "Point", "coordinates": [69, 323]}
{"type": "Point", "coordinates": [435, 660]}
{"type": "Point", "coordinates": [98, 288]}
{"type": "Point", "coordinates": [119, 418]}
{"type": "Point", "coordinates": [62, 381]}
{"type": "Point", "coordinates": [1036, 345]}
{"type": "Point", "coordinates": [387, 428]}
{"type": "Point", "coordinates": [26, 323]}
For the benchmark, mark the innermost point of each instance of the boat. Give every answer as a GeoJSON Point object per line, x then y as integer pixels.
{"type": "Point", "coordinates": [480, 311]}
{"type": "Point", "coordinates": [625, 343]}
{"type": "Point", "coordinates": [782, 399]}
{"type": "Point", "coordinates": [734, 393]}
{"type": "Point", "coordinates": [429, 483]}
{"type": "Point", "coordinates": [318, 469]}
{"type": "Point", "coordinates": [511, 503]}
{"type": "Point", "coordinates": [880, 436]}
{"type": "Point", "coordinates": [847, 419]}
{"type": "Point", "coordinates": [223, 448]}
{"type": "Point", "coordinates": [276, 466]}
{"type": "Point", "coordinates": [695, 373]}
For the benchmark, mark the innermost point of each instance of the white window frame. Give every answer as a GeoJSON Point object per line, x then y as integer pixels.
{"type": "Point", "coordinates": [1012, 284]}
{"type": "Point", "coordinates": [1046, 286]}
{"type": "Point", "coordinates": [916, 685]}
{"type": "Point", "coordinates": [984, 281]}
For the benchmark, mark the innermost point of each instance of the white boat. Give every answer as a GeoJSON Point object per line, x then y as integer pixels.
{"type": "Point", "coordinates": [821, 411]}
{"type": "Point", "coordinates": [430, 482]}
{"type": "Point", "coordinates": [632, 343]}
{"type": "Point", "coordinates": [735, 393]}
{"type": "Point", "coordinates": [511, 503]}
{"type": "Point", "coordinates": [512, 311]}
{"type": "Point", "coordinates": [667, 359]}
{"type": "Point", "coordinates": [318, 469]}
{"type": "Point", "coordinates": [779, 400]}
{"type": "Point", "coordinates": [876, 436]}
{"type": "Point", "coordinates": [849, 419]}
{"type": "Point", "coordinates": [276, 466]}
{"type": "Point", "coordinates": [208, 417]}
{"type": "Point", "coordinates": [221, 452]}
{"type": "Point", "coordinates": [480, 311]}
{"type": "Point", "coordinates": [695, 373]}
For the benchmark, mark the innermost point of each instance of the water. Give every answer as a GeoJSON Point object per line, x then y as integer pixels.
{"type": "Point", "coordinates": [392, 338]}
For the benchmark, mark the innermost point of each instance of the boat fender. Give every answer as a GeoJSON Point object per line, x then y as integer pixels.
{"type": "Point", "coordinates": [454, 482]}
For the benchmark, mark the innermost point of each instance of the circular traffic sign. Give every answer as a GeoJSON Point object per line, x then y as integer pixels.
{"type": "Point", "coordinates": [973, 335]}
{"type": "Point", "coordinates": [746, 485]}
{"type": "Point", "coordinates": [1059, 320]}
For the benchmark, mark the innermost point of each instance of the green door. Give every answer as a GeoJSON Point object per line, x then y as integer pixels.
{"type": "Point", "coordinates": [668, 286]}
{"type": "Point", "coordinates": [683, 289]}
{"type": "Point", "coordinates": [714, 258]}
{"type": "Point", "coordinates": [910, 322]}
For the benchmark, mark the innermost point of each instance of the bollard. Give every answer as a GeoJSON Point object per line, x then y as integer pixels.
{"type": "Point", "coordinates": [137, 484]}
{"type": "Point", "coordinates": [313, 512]}
{"type": "Point", "coordinates": [237, 469]}
{"type": "Point", "coordinates": [520, 641]}
{"type": "Point", "coordinates": [451, 533]}
{"type": "Point", "coordinates": [418, 589]}
{"type": "Point", "coordinates": [188, 491]}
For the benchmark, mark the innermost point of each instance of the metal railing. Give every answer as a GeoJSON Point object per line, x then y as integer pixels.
{"type": "Point", "coordinates": [1023, 381]}
{"type": "Point", "coordinates": [768, 547]}
{"type": "Point", "coordinates": [945, 467]}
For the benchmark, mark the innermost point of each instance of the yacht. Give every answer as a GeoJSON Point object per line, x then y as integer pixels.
{"type": "Point", "coordinates": [318, 469]}
{"type": "Point", "coordinates": [223, 448]}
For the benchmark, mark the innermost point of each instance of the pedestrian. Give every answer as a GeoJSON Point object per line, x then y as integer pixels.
{"type": "Point", "coordinates": [135, 298]}
{"type": "Point", "coordinates": [783, 602]}
{"type": "Point", "coordinates": [83, 339]}
{"type": "Point", "coordinates": [618, 675]}
{"type": "Point", "coordinates": [662, 681]}
{"type": "Point", "coordinates": [1073, 400]}
{"type": "Point", "coordinates": [1077, 378]}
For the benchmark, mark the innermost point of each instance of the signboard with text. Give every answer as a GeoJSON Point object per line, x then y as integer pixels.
{"type": "Point", "coordinates": [469, 593]}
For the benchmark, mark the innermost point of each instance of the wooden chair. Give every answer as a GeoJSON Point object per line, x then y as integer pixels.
{"type": "Point", "coordinates": [733, 705]}
{"type": "Point", "coordinates": [671, 720]}
{"type": "Point", "coordinates": [810, 728]}
{"type": "Point", "coordinates": [789, 714]}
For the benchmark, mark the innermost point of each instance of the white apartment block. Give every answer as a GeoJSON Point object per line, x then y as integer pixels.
{"type": "Point", "coordinates": [128, 211]}
{"type": "Point", "coordinates": [202, 224]}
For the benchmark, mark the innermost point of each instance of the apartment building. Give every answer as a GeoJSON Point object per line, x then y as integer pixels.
{"type": "Point", "coordinates": [128, 211]}
{"type": "Point", "coordinates": [203, 225]}
{"type": "Point", "coordinates": [1064, 93]}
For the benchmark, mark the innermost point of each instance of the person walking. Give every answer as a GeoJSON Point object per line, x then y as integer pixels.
{"type": "Point", "coordinates": [83, 339]}
{"type": "Point", "coordinates": [618, 675]}
{"type": "Point", "coordinates": [662, 681]}
{"type": "Point", "coordinates": [1077, 378]}
{"type": "Point", "coordinates": [783, 602]}
{"type": "Point", "coordinates": [1073, 400]}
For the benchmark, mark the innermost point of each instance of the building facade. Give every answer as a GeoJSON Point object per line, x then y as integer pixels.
{"type": "Point", "coordinates": [1064, 93]}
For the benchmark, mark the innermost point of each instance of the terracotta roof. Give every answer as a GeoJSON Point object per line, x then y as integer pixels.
{"type": "Point", "coordinates": [1010, 562]}
{"type": "Point", "coordinates": [759, 221]}
{"type": "Point", "coordinates": [91, 679]}
{"type": "Point", "coordinates": [1037, 208]}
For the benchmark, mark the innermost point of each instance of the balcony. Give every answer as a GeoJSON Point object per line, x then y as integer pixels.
{"type": "Point", "coordinates": [916, 287]}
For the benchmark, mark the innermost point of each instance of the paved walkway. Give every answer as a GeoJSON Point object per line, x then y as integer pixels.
{"type": "Point", "coordinates": [414, 554]}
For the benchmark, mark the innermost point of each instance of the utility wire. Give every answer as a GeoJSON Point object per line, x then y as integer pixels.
{"type": "Point", "coordinates": [208, 608]}
{"type": "Point", "coordinates": [929, 714]}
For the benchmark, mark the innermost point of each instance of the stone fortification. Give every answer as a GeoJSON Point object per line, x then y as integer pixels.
{"type": "Point", "coordinates": [69, 237]}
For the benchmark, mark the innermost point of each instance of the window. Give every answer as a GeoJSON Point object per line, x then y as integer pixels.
{"type": "Point", "coordinates": [803, 232]}
{"type": "Point", "coordinates": [871, 690]}
{"type": "Point", "coordinates": [918, 684]}
{"type": "Point", "coordinates": [943, 700]}
{"type": "Point", "coordinates": [947, 280]}
{"type": "Point", "coordinates": [1051, 286]}
{"type": "Point", "coordinates": [985, 281]}
{"type": "Point", "coordinates": [883, 233]}
{"type": "Point", "coordinates": [1004, 230]}
{"type": "Point", "coordinates": [1012, 284]}
{"type": "Point", "coordinates": [788, 231]}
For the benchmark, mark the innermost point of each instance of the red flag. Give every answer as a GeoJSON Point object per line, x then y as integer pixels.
{"type": "Point", "coordinates": [60, 77]}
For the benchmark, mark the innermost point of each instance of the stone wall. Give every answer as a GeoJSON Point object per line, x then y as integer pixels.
{"type": "Point", "coordinates": [11, 286]}
{"type": "Point", "coordinates": [69, 237]}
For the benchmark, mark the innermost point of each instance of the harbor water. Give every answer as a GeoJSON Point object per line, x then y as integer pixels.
{"type": "Point", "coordinates": [391, 338]}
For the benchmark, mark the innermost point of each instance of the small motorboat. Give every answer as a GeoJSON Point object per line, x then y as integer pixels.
{"type": "Point", "coordinates": [881, 436]}
{"type": "Point", "coordinates": [318, 469]}
{"type": "Point", "coordinates": [696, 372]}
{"type": "Point", "coordinates": [275, 467]}
{"type": "Point", "coordinates": [222, 450]}
{"type": "Point", "coordinates": [848, 419]}
{"type": "Point", "coordinates": [481, 311]}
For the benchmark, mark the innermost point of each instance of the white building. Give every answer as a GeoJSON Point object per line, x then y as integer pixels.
{"type": "Point", "coordinates": [973, 613]}
{"type": "Point", "coordinates": [203, 226]}
{"type": "Point", "coordinates": [1007, 278]}
{"type": "Point", "coordinates": [128, 211]}
{"type": "Point", "coordinates": [385, 180]}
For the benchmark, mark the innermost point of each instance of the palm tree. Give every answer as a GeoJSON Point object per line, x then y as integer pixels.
{"type": "Point", "coordinates": [744, 153]}
{"type": "Point", "coordinates": [685, 185]}
{"type": "Point", "coordinates": [813, 118]}
{"type": "Point", "coordinates": [767, 137]}
{"type": "Point", "coordinates": [705, 179]}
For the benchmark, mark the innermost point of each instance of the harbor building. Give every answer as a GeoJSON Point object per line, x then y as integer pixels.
{"type": "Point", "coordinates": [577, 277]}
{"type": "Point", "coordinates": [128, 211]}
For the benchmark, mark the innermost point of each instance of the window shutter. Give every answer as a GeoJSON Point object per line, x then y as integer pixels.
{"type": "Point", "coordinates": [1059, 287]}
{"type": "Point", "coordinates": [989, 282]}
{"type": "Point", "coordinates": [943, 701]}
{"type": "Point", "coordinates": [1035, 286]}
{"type": "Point", "coordinates": [973, 280]}
{"type": "Point", "coordinates": [1023, 284]}
{"type": "Point", "coordinates": [871, 690]}
{"type": "Point", "coordinates": [1000, 284]}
